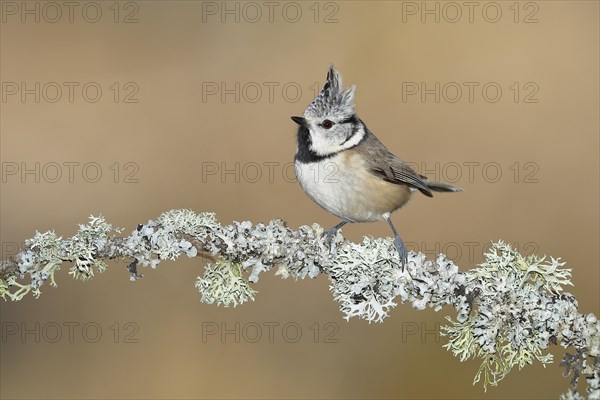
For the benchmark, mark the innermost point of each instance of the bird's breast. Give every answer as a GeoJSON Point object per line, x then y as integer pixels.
{"type": "Point", "coordinates": [344, 186]}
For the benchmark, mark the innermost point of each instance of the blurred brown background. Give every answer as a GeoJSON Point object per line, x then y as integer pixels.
{"type": "Point", "coordinates": [162, 126]}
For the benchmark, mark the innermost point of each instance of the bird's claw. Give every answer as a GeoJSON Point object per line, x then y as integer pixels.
{"type": "Point", "coordinates": [401, 252]}
{"type": "Point", "coordinates": [329, 235]}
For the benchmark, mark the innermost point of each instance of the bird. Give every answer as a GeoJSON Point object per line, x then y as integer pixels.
{"type": "Point", "coordinates": [343, 167]}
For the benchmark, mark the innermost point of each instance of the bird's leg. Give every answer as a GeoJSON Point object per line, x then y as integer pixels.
{"type": "Point", "coordinates": [399, 244]}
{"type": "Point", "coordinates": [331, 232]}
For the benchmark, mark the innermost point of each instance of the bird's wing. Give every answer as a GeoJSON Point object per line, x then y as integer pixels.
{"type": "Point", "coordinates": [385, 165]}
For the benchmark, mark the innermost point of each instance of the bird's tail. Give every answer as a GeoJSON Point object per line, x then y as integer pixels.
{"type": "Point", "coordinates": [442, 187]}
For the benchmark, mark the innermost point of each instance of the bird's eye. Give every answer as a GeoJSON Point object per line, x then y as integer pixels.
{"type": "Point", "coordinates": [327, 124]}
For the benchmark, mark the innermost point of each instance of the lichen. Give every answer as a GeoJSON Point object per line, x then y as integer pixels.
{"type": "Point", "coordinates": [45, 252]}
{"type": "Point", "coordinates": [508, 310]}
{"type": "Point", "coordinates": [223, 283]}
{"type": "Point", "coordinates": [520, 309]}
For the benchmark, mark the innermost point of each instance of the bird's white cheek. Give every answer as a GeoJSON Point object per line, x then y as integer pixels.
{"type": "Point", "coordinates": [324, 145]}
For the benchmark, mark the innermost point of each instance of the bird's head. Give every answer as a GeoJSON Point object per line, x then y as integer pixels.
{"type": "Point", "coordinates": [329, 123]}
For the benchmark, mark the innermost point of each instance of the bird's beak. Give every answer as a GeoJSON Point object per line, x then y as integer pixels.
{"type": "Point", "coordinates": [299, 120]}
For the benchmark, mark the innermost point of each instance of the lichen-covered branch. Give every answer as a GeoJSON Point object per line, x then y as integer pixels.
{"type": "Point", "coordinates": [508, 310]}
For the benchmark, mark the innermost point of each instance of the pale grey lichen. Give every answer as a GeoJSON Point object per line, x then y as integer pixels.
{"type": "Point", "coordinates": [365, 282]}
{"type": "Point", "coordinates": [301, 252]}
{"type": "Point", "coordinates": [84, 247]}
{"type": "Point", "coordinates": [367, 277]}
{"type": "Point", "coordinates": [520, 310]}
{"type": "Point", "coordinates": [508, 310]}
{"type": "Point", "coordinates": [45, 252]}
{"type": "Point", "coordinates": [224, 283]}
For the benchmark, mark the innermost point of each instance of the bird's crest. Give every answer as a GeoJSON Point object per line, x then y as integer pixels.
{"type": "Point", "coordinates": [333, 100]}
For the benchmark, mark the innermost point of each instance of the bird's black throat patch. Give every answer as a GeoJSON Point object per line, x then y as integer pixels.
{"type": "Point", "coordinates": [305, 154]}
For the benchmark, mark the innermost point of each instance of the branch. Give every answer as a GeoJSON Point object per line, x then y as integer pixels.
{"type": "Point", "coordinates": [508, 309]}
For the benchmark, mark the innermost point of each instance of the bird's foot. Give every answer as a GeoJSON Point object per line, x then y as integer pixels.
{"type": "Point", "coordinates": [401, 252]}
{"type": "Point", "coordinates": [329, 235]}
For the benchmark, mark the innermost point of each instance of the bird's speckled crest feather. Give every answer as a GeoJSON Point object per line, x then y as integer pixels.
{"type": "Point", "coordinates": [332, 100]}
